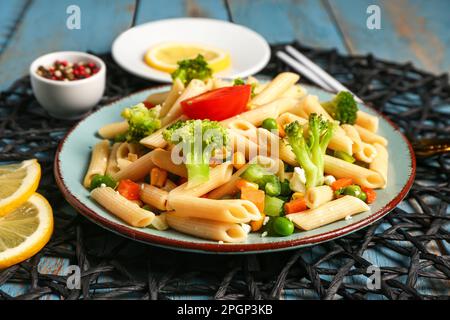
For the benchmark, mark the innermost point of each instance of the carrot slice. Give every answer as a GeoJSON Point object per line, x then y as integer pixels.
{"type": "Point", "coordinates": [256, 225]}
{"type": "Point", "coordinates": [253, 195]}
{"type": "Point", "coordinates": [341, 183]}
{"type": "Point", "coordinates": [296, 205]}
{"type": "Point", "coordinates": [241, 183]}
{"type": "Point", "coordinates": [371, 195]}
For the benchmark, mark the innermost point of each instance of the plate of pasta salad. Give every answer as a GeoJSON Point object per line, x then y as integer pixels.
{"type": "Point", "coordinates": [234, 166]}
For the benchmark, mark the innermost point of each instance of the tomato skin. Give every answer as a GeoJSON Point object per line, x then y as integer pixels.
{"type": "Point", "coordinates": [218, 104]}
{"type": "Point", "coordinates": [129, 189]}
{"type": "Point", "coordinates": [148, 105]}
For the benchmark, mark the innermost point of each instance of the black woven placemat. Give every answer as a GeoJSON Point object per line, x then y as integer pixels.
{"type": "Point", "coordinates": [115, 267]}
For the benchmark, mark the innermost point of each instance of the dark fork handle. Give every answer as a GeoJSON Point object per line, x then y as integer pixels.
{"type": "Point", "coordinates": [424, 148]}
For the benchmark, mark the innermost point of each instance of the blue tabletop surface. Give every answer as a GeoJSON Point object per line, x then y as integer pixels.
{"type": "Point", "coordinates": [411, 30]}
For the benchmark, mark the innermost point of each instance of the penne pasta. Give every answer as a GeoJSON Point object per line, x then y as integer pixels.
{"type": "Point", "coordinates": [157, 98]}
{"type": "Point", "coordinates": [159, 222]}
{"type": "Point", "coordinates": [380, 162]}
{"type": "Point", "coordinates": [194, 88]}
{"type": "Point", "coordinates": [258, 115]}
{"type": "Point", "coordinates": [136, 170]}
{"type": "Point", "coordinates": [267, 143]}
{"type": "Point", "coordinates": [125, 148]}
{"type": "Point", "coordinates": [296, 91]}
{"type": "Point", "coordinates": [362, 176]}
{"type": "Point", "coordinates": [169, 186]}
{"type": "Point", "coordinates": [244, 128]}
{"type": "Point", "coordinates": [112, 166]}
{"type": "Point", "coordinates": [110, 131]}
{"type": "Point", "coordinates": [285, 153]}
{"type": "Point", "coordinates": [353, 134]}
{"type": "Point", "coordinates": [122, 208]}
{"type": "Point", "coordinates": [243, 145]}
{"type": "Point", "coordinates": [367, 153]}
{"type": "Point", "coordinates": [207, 229]}
{"type": "Point", "coordinates": [99, 162]}
{"type": "Point", "coordinates": [172, 96]}
{"type": "Point", "coordinates": [367, 121]}
{"type": "Point", "coordinates": [363, 151]}
{"type": "Point", "coordinates": [279, 85]}
{"type": "Point", "coordinates": [156, 139]}
{"type": "Point", "coordinates": [221, 83]}
{"type": "Point", "coordinates": [163, 159]}
{"type": "Point", "coordinates": [153, 196]}
{"type": "Point", "coordinates": [370, 137]}
{"type": "Point", "coordinates": [310, 104]}
{"type": "Point", "coordinates": [217, 177]}
{"type": "Point", "coordinates": [233, 210]}
{"type": "Point", "coordinates": [317, 196]}
{"type": "Point", "coordinates": [327, 213]}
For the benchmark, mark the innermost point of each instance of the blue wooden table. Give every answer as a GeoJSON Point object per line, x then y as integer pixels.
{"type": "Point", "coordinates": [411, 30]}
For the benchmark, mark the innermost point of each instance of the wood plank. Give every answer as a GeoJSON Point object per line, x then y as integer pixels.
{"type": "Point", "coordinates": [10, 11]}
{"type": "Point", "coordinates": [411, 30]}
{"type": "Point", "coordinates": [43, 29]}
{"type": "Point", "coordinates": [151, 10]}
{"type": "Point", "coordinates": [284, 21]}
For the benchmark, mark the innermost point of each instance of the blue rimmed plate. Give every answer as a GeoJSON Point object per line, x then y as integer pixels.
{"type": "Point", "coordinates": [72, 159]}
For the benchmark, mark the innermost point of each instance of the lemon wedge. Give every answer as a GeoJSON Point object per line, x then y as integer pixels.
{"type": "Point", "coordinates": [18, 182]}
{"type": "Point", "coordinates": [25, 230]}
{"type": "Point", "coordinates": [165, 56]}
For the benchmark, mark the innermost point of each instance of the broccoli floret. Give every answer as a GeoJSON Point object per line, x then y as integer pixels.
{"type": "Point", "coordinates": [238, 82]}
{"type": "Point", "coordinates": [192, 69]}
{"type": "Point", "coordinates": [142, 121]}
{"type": "Point", "coordinates": [342, 107]}
{"type": "Point", "coordinates": [199, 139]}
{"type": "Point", "coordinates": [310, 151]}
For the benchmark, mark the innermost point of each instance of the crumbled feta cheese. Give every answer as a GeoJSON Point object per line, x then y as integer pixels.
{"type": "Point", "coordinates": [102, 185]}
{"type": "Point", "coordinates": [301, 174]}
{"type": "Point", "coordinates": [328, 180]}
{"type": "Point", "coordinates": [298, 180]}
{"type": "Point", "coordinates": [348, 218]}
{"type": "Point", "coordinates": [266, 219]}
{"type": "Point", "coordinates": [264, 234]}
{"type": "Point", "coordinates": [246, 227]}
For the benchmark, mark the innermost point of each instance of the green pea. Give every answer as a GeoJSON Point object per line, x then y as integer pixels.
{"type": "Point", "coordinates": [355, 191]}
{"type": "Point", "coordinates": [363, 196]}
{"type": "Point", "coordinates": [283, 226]}
{"type": "Point", "coordinates": [270, 124]}
{"type": "Point", "coordinates": [344, 156]}
{"type": "Point", "coordinates": [99, 179]}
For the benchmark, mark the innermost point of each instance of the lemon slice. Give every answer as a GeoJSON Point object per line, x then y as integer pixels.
{"type": "Point", "coordinates": [25, 230]}
{"type": "Point", "coordinates": [17, 183]}
{"type": "Point", "coordinates": [165, 56]}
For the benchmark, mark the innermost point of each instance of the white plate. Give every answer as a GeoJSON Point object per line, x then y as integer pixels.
{"type": "Point", "coordinates": [249, 51]}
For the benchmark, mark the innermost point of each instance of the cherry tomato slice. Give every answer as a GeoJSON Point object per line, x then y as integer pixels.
{"type": "Point", "coordinates": [148, 105]}
{"type": "Point", "coordinates": [218, 104]}
{"type": "Point", "coordinates": [129, 189]}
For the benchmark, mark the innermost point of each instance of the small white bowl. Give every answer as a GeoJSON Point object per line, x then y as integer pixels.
{"type": "Point", "coordinates": [68, 99]}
